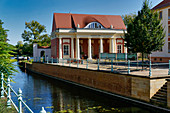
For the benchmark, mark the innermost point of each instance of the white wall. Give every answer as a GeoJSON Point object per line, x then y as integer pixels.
{"type": "Point", "coordinates": [37, 51]}
{"type": "Point", "coordinates": [163, 53]}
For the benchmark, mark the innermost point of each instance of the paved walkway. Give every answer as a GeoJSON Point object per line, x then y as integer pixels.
{"type": "Point", "coordinates": [121, 69]}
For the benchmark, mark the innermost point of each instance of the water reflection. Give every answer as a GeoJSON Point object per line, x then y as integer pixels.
{"type": "Point", "coordinates": [57, 97]}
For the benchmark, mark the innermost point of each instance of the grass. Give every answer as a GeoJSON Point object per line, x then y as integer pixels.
{"type": "Point", "coordinates": [4, 109]}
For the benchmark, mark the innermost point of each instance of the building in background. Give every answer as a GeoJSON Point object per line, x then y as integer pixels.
{"type": "Point", "coordinates": [41, 51]}
{"type": "Point", "coordinates": [79, 36]}
{"type": "Point", "coordinates": [163, 55]}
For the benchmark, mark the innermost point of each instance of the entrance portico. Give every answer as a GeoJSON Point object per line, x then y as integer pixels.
{"type": "Point", "coordinates": [87, 41]}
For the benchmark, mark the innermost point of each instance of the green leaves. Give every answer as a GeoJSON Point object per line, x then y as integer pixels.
{"type": "Point", "coordinates": [145, 33]}
{"type": "Point", "coordinates": [35, 33]}
{"type": "Point", "coordinates": [6, 50]}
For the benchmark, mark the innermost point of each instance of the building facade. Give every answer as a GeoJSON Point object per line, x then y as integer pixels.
{"type": "Point", "coordinates": [163, 55]}
{"type": "Point", "coordinates": [41, 51]}
{"type": "Point", "coordinates": [80, 36]}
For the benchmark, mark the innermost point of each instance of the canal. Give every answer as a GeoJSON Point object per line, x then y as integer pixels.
{"type": "Point", "coordinates": [59, 97]}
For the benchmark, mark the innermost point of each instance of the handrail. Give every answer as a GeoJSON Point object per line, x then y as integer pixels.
{"type": "Point", "coordinates": [19, 95]}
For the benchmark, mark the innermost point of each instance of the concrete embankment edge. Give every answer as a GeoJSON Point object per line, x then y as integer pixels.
{"type": "Point", "coordinates": [104, 92]}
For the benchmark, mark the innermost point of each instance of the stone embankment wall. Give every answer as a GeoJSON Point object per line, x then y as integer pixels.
{"type": "Point", "coordinates": [142, 88]}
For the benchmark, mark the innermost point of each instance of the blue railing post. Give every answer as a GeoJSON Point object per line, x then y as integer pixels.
{"type": "Point", "coordinates": [128, 66]}
{"type": "Point", "coordinates": [169, 68]}
{"type": "Point", "coordinates": [111, 65]}
{"type": "Point", "coordinates": [20, 100]}
{"type": "Point", "coordinates": [77, 63]}
{"type": "Point", "coordinates": [98, 68]}
{"type": "Point", "coordinates": [56, 60]}
{"type": "Point", "coordinates": [8, 93]}
{"type": "Point", "coordinates": [150, 71]}
{"type": "Point", "coordinates": [39, 59]}
{"type": "Point", "coordinates": [63, 62]}
{"type": "Point", "coordinates": [69, 62]}
{"type": "Point", "coordinates": [2, 85]}
{"type": "Point", "coordinates": [47, 60]}
{"type": "Point", "coordinates": [52, 60]}
{"type": "Point", "coordinates": [43, 60]}
{"type": "Point", "coordinates": [87, 64]}
{"type": "Point", "coordinates": [43, 110]}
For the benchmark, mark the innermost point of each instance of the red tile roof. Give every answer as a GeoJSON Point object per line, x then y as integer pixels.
{"type": "Point", "coordinates": [44, 47]}
{"type": "Point", "coordinates": [67, 20]}
{"type": "Point", "coordinates": [164, 3]}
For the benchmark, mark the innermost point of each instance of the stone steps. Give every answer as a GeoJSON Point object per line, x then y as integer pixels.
{"type": "Point", "coordinates": [160, 98]}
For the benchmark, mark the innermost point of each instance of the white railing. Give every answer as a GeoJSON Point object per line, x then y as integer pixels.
{"type": "Point", "coordinates": [8, 91]}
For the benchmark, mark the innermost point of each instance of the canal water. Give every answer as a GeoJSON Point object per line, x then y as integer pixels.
{"type": "Point", "coordinates": [60, 97]}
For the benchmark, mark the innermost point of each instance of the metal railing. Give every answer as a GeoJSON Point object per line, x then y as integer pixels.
{"type": "Point", "coordinates": [108, 65]}
{"type": "Point", "coordinates": [8, 91]}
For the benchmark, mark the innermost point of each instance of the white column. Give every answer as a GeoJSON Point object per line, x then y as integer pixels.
{"type": "Point", "coordinates": [115, 50]}
{"type": "Point", "coordinates": [72, 47]}
{"type": "Point", "coordinates": [60, 49]}
{"type": "Point", "coordinates": [112, 50]}
{"type": "Point", "coordinates": [78, 48]}
{"type": "Point", "coordinates": [101, 45]}
{"type": "Point", "coordinates": [89, 49]}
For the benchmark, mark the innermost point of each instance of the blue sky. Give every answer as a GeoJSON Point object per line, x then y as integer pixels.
{"type": "Point", "coordinates": [14, 13]}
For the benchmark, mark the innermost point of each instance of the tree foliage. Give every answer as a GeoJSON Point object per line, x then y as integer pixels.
{"type": "Point", "coordinates": [5, 52]}
{"type": "Point", "coordinates": [145, 33]}
{"type": "Point", "coordinates": [34, 33]}
{"type": "Point", "coordinates": [128, 18]}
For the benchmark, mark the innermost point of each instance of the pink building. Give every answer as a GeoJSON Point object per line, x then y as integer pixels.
{"type": "Point", "coordinates": [79, 36]}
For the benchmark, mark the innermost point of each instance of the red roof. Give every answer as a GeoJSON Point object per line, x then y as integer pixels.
{"type": "Point", "coordinates": [164, 3]}
{"type": "Point", "coordinates": [67, 20]}
{"type": "Point", "coordinates": [44, 47]}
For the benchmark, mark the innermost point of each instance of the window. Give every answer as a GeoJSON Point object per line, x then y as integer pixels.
{"type": "Point", "coordinates": [168, 47]}
{"type": "Point", "coordinates": [119, 48]}
{"type": "Point", "coordinates": [94, 25]}
{"type": "Point", "coordinates": [160, 59]}
{"type": "Point", "coordinates": [66, 49]}
{"type": "Point", "coordinates": [155, 59]}
{"type": "Point", "coordinates": [160, 15]}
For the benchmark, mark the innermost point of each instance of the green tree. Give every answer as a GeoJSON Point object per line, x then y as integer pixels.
{"type": "Point", "coordinates": [128, 18]}
{"type": "Point", "coordinates": [5, 52]}
{"type": "Point", "coordinates": [34, 33]}
{"type": "Point", "coordinates": [145, 33]}
{"type": "Point", "coordinates": [19, 47]}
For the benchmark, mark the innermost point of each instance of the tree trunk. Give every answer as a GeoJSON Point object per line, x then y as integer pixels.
{"type": "Point", "coordinates": [142, 60]}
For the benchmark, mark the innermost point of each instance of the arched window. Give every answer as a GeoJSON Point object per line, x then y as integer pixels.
{"type": "Point", "coordinates": [94, 25]}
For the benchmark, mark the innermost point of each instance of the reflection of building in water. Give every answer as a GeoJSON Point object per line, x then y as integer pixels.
{"type": "Point", "coordinates": [65, 101]}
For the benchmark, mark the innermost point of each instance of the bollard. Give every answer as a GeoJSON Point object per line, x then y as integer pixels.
{"type": "Point", "coordinates": [128, 66]}
{"type": "Point", "coordinates": [111, 65]}
{"type": "Point", "coordinates": [52, 60]}
{"type": "Point", "coordinates": [36, 59]}
{"type": "Point", "coordinates": [8, 93]}
{"type": "Point", "coordinates": [98, 68]}
{"type": "Point", "coordinates": [47, 60]}
{"type": "Point", "coordinates": [2, 85]}
{"type": "Point", "coordinates": [169, 68]}
{"type": "Point", "coordinates": [150, 71]}
{"type": "Point", "coordinates": [87, 64]}
{"type": "Point", "coordinates": [20, 100]}
{"type": "Point", "coordinates": [69, 62]}
{"type": "Point", "coordinates": [43, 110]}
{"type": "Point", "coordinates": [77, 63]}
{"type": "Point", "coordinates": [39, 59]}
